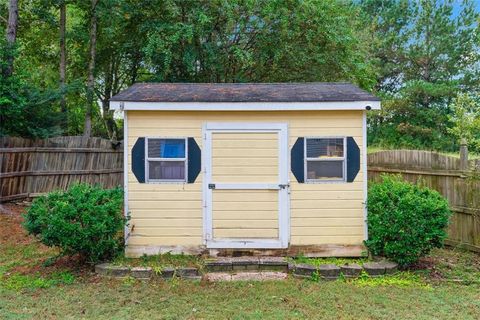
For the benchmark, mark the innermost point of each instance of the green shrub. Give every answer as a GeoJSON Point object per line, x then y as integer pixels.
{"type": "Point", "coordinates": [86, 220]}
{"type": "Point", "coordinates": [405, 221]}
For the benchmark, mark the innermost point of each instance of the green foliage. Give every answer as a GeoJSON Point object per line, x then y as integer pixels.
{"type": "Point", "coordinates": [400, 279]}
{"type": "Point", "coordinates": [24, 109]}
{"type": "Point", "coordinates": [160, 261]}
{"type": "Point", "coordinates": [85, 220]}
{"type": "Point", "coordinates": [424, 55]}
{"type": "Point", "coordinates": [257, 41]}
{"type": "Point", "coordinates": [416, 55]}
{"type": "Point", "coordinates": [335, 261]}
{"type": "Point", "coordinates": [466, 120]}
{"type": "Point", "coordinates": [19, 282]}
{"type": "Point", "coordinates": [405, 221]}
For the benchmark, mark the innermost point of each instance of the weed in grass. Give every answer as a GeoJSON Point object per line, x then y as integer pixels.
{"type": "Point", "coordinates": [400, 279]}
{"type": "Point", "coordinates": [19, 282]}
{"type": "Point", "coordinates": [161, 261]}
{"type": "Point", "coordinates": [457, 264]}
{"type": "Point", "coordinates": [128, 281]}
{"type": "Point", "coordinates": [335, 261]}
{"type": "Point", "coordinates": [157, 270]}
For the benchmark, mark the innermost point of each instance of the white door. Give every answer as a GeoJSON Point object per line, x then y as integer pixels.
{"type": "Point", "coordinates": [246, 186]}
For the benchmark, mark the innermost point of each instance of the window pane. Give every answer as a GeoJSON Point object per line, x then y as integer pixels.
{"type": "Point", "coordinates": [166, 170]}
{"type": "Point", "coordinates": [325, 170]}
{"type": "Point", "coordinates": [166, 148]}
{"type": "Point", "coordinates": [324, 147]}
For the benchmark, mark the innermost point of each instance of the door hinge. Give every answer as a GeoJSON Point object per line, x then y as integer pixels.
{"type": "Point", "coordinates": [211, 186]}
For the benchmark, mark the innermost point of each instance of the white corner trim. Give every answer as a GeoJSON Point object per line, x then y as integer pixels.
{"type": "Point", "coordinates": [244, 106]}
{"type": "Point", "coordinates": [365, 178]}
{"type": "Point", "coordinates": [125, 173]}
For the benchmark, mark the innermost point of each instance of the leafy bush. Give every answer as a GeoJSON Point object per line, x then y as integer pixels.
{"type": "Point", "coordinates": [405, 221]}
{"type": "Point", "coordinates": [85, 220]}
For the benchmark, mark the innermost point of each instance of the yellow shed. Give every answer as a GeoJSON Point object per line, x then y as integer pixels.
{"type": "Point", "coordinates": [265, 168]}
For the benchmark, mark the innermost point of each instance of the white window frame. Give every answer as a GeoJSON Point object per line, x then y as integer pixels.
{"type": "Point", "coordinates": [148, 159]}
{"type": "Point", "coordinates": [344, 159]}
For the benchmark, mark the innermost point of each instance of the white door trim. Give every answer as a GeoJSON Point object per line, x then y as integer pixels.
{"type": "Point", "coordinates": [282, 186]}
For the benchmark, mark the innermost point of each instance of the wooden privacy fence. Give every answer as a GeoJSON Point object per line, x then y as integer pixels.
{"type": "Point", "coordinates": [457, 179]}
{"type": "Point", "coordinates": [32, 167]}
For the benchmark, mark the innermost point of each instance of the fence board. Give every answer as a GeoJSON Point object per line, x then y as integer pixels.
{"type": "Point", "coordinates": [32, 167]}
{"type": "Point", "coordinates": [443, 173]}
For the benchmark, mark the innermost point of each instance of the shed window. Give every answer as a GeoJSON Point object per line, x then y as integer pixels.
{"type": "Point", "coordinates": [166, 159]}
{"type": "Point", "coordinates": [325, 159]}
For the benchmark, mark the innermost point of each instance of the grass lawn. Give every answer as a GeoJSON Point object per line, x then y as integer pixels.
{"type": "Point", "coordinates": [34, 287]}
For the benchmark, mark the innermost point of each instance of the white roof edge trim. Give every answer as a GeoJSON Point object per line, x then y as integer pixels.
{"type": "Point", "coordinates": [244, 106]}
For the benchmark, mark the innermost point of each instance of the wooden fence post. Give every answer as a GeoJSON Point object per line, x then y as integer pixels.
{"type": "Point", "coordinates": [463, 154]}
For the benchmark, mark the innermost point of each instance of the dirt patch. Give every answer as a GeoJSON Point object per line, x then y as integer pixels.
{"type": "Point", "coordinates": [32, 257]}
{"type": "Point", "coordinates": [11, 230]}
{"type": "Point", "coordinates": [450, 264]}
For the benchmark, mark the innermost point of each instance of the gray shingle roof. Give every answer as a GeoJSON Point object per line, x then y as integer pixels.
{"type": "Point", "coordinates": [244, 92]}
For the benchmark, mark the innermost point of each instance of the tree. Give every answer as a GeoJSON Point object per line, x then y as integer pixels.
{"type": "Point", "coordinates": [466, 120]}
{"type": "Point", "coordinates": [436, 54]}
{"type": "Point", "coordinates": [87, 130]}
{"type": "Point", "coordinates": [241, 41]}
{"type": "Point", "coordinates": [11, 36]}
{"type": "Point", "coordinates": [63, 54]}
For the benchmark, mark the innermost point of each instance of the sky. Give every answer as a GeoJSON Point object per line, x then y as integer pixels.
{"type": "Point", "coordinates": [457, 6]}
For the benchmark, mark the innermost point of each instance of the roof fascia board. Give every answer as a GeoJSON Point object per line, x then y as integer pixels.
{"type": "Point", "coordinates": [244, 106]}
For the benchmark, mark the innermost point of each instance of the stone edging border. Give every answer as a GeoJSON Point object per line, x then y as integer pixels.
{"type": "Point", "coordinates": [145, 273]}
{"type": "Point", "coordinates": [332, 272]}
{"type": "Point", "coordinates": [324, 271]}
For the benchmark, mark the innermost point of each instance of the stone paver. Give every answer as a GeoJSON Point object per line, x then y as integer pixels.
{"type": "Point", "coordinates": [304, 270]}
{"type": "Point", "coordinates": [188, 273]}
{"type": "Point", "coordinates": [110, 270]}
{"type": "Point", "coordinates": [329, 271]}
{"type": "Point", "coordinates": [141, 272]}
{"type": "Point", "coordinates": [245, 276]}
{"type": "Point", "coordinates": [374, 269]}
{"type": "Point", "coordinates": [390, 267]}
{"type": "Point", "coordinates": [351, 270]}
{"type": "Point", "coordinates": [166, 273]}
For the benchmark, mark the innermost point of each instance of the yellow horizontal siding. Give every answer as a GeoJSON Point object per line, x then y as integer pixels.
{"type": "Point", "coordinates": [262, 207]}
{"type": "Point", "coordinates": [327, 231]}
{"type": "Point", "coordinates": [166, 222]}
{"type": "Point", "coordinates": [327, 222]}
{"type": "Point", "coordinates": [246, 233]}
{"type": "Point", "coordinates": [177, 240]}
{"type": "Point", "coordinates": [327, 213]}
{"type": "Point", "coordinates": [327, 239]}
{"type": "Point", "coordinates": [320, 213]}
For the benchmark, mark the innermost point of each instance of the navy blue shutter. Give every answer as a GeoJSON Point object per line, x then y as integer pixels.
{"type": "Point", "coordinates": [194, 160]}
{"type": "Point", "coordinates": [138, 160]}
{"type": "Point", "coordinates": [297, 161]}
{"type": "Point", "coordinates": [353, 159]}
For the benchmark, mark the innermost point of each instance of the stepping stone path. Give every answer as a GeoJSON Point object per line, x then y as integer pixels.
{"type": "Point", "coordinates": [250, 268]}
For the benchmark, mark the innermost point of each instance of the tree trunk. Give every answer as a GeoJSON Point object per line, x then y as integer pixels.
{"type": "Point", "coordinates": [87, 131]}
{"type": "Point", "coordinates": [11, 36]}
{"type": "Point", "coordinates": [110, 72]}
{"type": "Point", "coordinates": [63, 62]}
{"type": "Point", "coordinates": [110, 123]}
